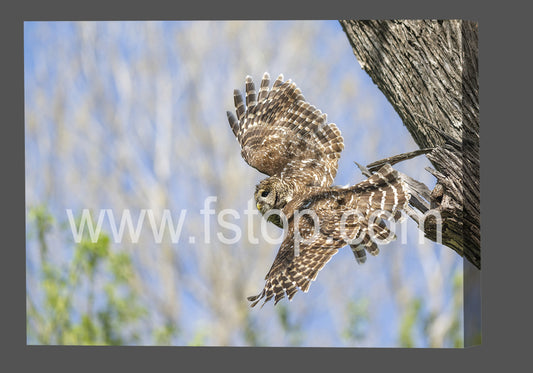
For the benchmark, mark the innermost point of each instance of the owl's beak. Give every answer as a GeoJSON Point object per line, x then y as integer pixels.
{"type": "Point", "coordinates": [258, 205]}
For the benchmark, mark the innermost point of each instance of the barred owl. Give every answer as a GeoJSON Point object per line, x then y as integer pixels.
{"type": "Point", "coordinates": [288, 139]}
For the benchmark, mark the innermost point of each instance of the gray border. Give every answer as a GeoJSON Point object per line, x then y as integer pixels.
{"type": "Point", "coordinates": [505, 269]}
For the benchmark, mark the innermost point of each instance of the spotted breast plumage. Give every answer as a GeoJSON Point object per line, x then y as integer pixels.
{"type": "Point", "coordinates": [288, 139]}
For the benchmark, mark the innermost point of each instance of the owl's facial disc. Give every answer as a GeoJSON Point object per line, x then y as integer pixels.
{"type": "Point", "coordinates": [263, 198]}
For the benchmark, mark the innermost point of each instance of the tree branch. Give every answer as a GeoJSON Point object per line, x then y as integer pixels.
{"type": "Point", "coordinates": [429, 73]}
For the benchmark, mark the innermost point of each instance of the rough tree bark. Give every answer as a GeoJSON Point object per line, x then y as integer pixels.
{"type": "Point", "coordinates": [428, 70]}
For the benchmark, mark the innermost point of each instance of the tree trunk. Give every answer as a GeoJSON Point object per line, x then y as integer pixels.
{"type": "Point", "coordinates": [428, 71]}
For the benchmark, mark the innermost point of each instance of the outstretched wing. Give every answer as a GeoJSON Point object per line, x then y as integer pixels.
{"type": "Point", "coordinates": [351, 216]}
{"type": "Point", "coordinates": [291, 272]}
{"type": "Point", "coordinates": [282, 134]}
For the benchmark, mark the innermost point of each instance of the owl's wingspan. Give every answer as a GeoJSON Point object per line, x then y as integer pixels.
{"type": "Point", "coordinates": [282, 134]}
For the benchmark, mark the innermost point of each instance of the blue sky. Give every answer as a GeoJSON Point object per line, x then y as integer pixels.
{"type": "Point", "coordinates": [83, 70]}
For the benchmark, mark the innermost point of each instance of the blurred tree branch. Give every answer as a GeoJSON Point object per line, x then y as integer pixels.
{"type": "Point", "coordinates": [428, 71]}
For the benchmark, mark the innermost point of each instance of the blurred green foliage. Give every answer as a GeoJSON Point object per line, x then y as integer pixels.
{"type": "Point", "coordinates": [291, 328]}
{"type": "Point", "coordinates": [408, 322]}
{"type": "Point", "coordinates": [356, 327]}
{"type": "Point", "coordinates": [63, 308]}
{"type": "Point", "coordinates": [164, 334]}
{"type": "Point", "coordinates": [455, 333]}
{"type": "Point", "coordinates": [415, 314]}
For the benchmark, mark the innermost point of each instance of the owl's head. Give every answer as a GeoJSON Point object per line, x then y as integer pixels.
{"type": "Point", "coordinates": [272, 193]}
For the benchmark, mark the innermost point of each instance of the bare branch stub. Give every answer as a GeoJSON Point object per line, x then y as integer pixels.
{"type": "Point", "coordinates": [374, 166]}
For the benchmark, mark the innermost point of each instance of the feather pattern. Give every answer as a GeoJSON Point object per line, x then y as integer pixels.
{"type": "Point", "coordinates": [290, 140]}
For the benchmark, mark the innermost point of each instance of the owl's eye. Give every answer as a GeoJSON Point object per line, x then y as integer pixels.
{"type": "Point", "coordinates": [264, 194]}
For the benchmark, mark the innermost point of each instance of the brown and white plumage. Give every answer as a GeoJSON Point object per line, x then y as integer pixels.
{"type": "Point", "coordinates": [286, 138]}
{"type": "Point", "coordinates": [283, 135]}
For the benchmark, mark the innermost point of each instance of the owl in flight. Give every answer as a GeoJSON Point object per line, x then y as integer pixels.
{"type": "Point", "coordinates": [288, 139]}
